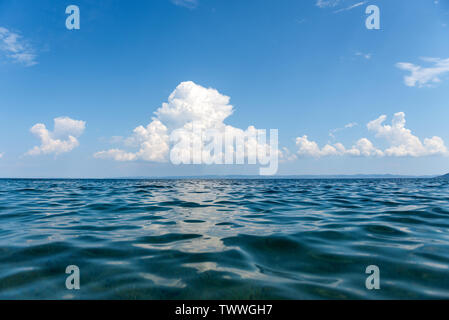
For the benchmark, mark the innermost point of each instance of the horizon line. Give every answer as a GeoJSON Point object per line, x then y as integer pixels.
{"type": "Point", "coordinates": [241, 176]}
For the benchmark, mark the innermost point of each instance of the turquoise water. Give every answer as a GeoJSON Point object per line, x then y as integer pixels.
{"type": "Point", "coordinates": [224, 239]}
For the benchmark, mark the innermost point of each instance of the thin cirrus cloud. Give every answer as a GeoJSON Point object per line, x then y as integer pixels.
{"type": "Point", "coordinates": [62, 139]}
{"type": "Point", "coordinates": [358, 4]}
{"type": "Point", "coordinates": [323, 4]}
{"type": "Point", "coordinates": [16, 49]}
{"type": "Point", "coordinates": [188, 105]}
{"type": "Point", "coordinates": [186, 3]}
{"type": "Point", "coordinates": [424, 76]}
{"type": "Point", "coordinates": [347, 126]}
{"type": "Point", "coordinates": [401, 142]}
{"type": "Point", "coordinates": [327, 3]}
{"type": "Point", "coordinates": [367, 56]}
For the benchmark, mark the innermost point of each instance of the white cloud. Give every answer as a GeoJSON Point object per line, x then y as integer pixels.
{"type": "Point", "coordinates": [327, 3]}
{"type": "Point", "coordinates": [423, 76]}
{"type": "Point", "coordinates": [351, 125]}
{"type": "Point", "coordinates": [189, 104]}
{"type": "Point", "coordinates": [186, 3]}
{"type": "Point", "coordinates": [400, 139]}
{"type": "Point", "coordinates": [358, 4]}
{"type": "Point", "coordinates": [363, 147]}
{"type": "Point", "coordinates": [152, 139]}
{"type": "Point", "coordinates": [311, 148]}
{"type": "Point", "coordinates": [347, 126]}
{"type": "Point", "coordinates": [285, 155]}
{"type": "Point", "coordinates": [15, 48]}
{"type": "Point", "coordinates": [62, 139]}
{"type": "Point", "coordinates": [367, 56]}
{"type": "Point", "coordinates": [116, 154]}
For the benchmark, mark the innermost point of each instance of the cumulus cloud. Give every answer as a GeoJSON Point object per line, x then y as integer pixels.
{"type": "Point", "coordinates": [15, 48]}
{"type": "Point", "coordinates": [424, 76]}
{"type": "Point", "coordinates": [363, 147]}
{"type": "Point", "coordinates": [286, 155]}
{"type": "Point", "coordinates": [153, 141]}
{"type": "Point", "coordinates": [400, 139]}
{"type": "Point", "coordinates": [311, 148]}
{"type": "Point", "coordinates": [62, 139]}
{"type": "Point", "coordinates": [189, 107]}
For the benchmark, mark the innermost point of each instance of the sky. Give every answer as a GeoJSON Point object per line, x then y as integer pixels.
{"type": "Point", "coordinates": [102, 100]}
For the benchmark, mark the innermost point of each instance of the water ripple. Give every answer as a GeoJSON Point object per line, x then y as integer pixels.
{"type": "Point", "coordinates": [224, 239]}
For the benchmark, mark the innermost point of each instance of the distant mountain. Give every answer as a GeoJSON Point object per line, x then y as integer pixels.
{"type": "Point", "coordinates": [446, 176]}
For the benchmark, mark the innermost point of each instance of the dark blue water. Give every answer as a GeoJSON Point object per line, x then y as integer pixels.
{"type": "Point", "coordinates": [224, 239]}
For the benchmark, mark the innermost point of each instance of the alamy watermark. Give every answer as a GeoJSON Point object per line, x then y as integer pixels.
{"type": "Point", "coordinates": [373, 20]}
{"type": "Point", "coordinates": [373, 280]}
{"type": "Point", "coordinates": [72, 282]}
{"type": "Point", "coordinates": [194, 145]}
{"type": "Point", "coordinates": [73, 20]}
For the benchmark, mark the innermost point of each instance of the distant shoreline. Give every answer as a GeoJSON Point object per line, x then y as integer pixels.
{"type": "Point", "coordinates": [245, 177]}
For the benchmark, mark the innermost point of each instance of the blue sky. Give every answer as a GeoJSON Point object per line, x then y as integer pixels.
{"type": "Point", "coordinates": [307, 68]}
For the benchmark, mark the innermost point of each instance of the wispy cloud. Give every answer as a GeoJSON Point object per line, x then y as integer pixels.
{"type": "Point", "coordinates": [15, 48]}
{"type": "Point", "coordinates": [367, 56]}
{"type": "Point", "coordinates": [351, 7]}
{"type": "Point", "coordinates": [337, 3]}
{"type": "Point", "coordinates": [347, 126]}
{"type": "Point", "coordinates": [327, 3]}
{"type": "Point", "coordinates": [423, 76]}
{"type": "Point", "coordinates": [186, 3]}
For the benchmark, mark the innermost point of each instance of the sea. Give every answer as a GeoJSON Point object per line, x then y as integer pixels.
{"type": "Point", "coordinates": [224, 238]}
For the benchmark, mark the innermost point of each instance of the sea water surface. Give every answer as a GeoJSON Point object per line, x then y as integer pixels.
{"type": "Point", "coordinates": [224, 239]}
